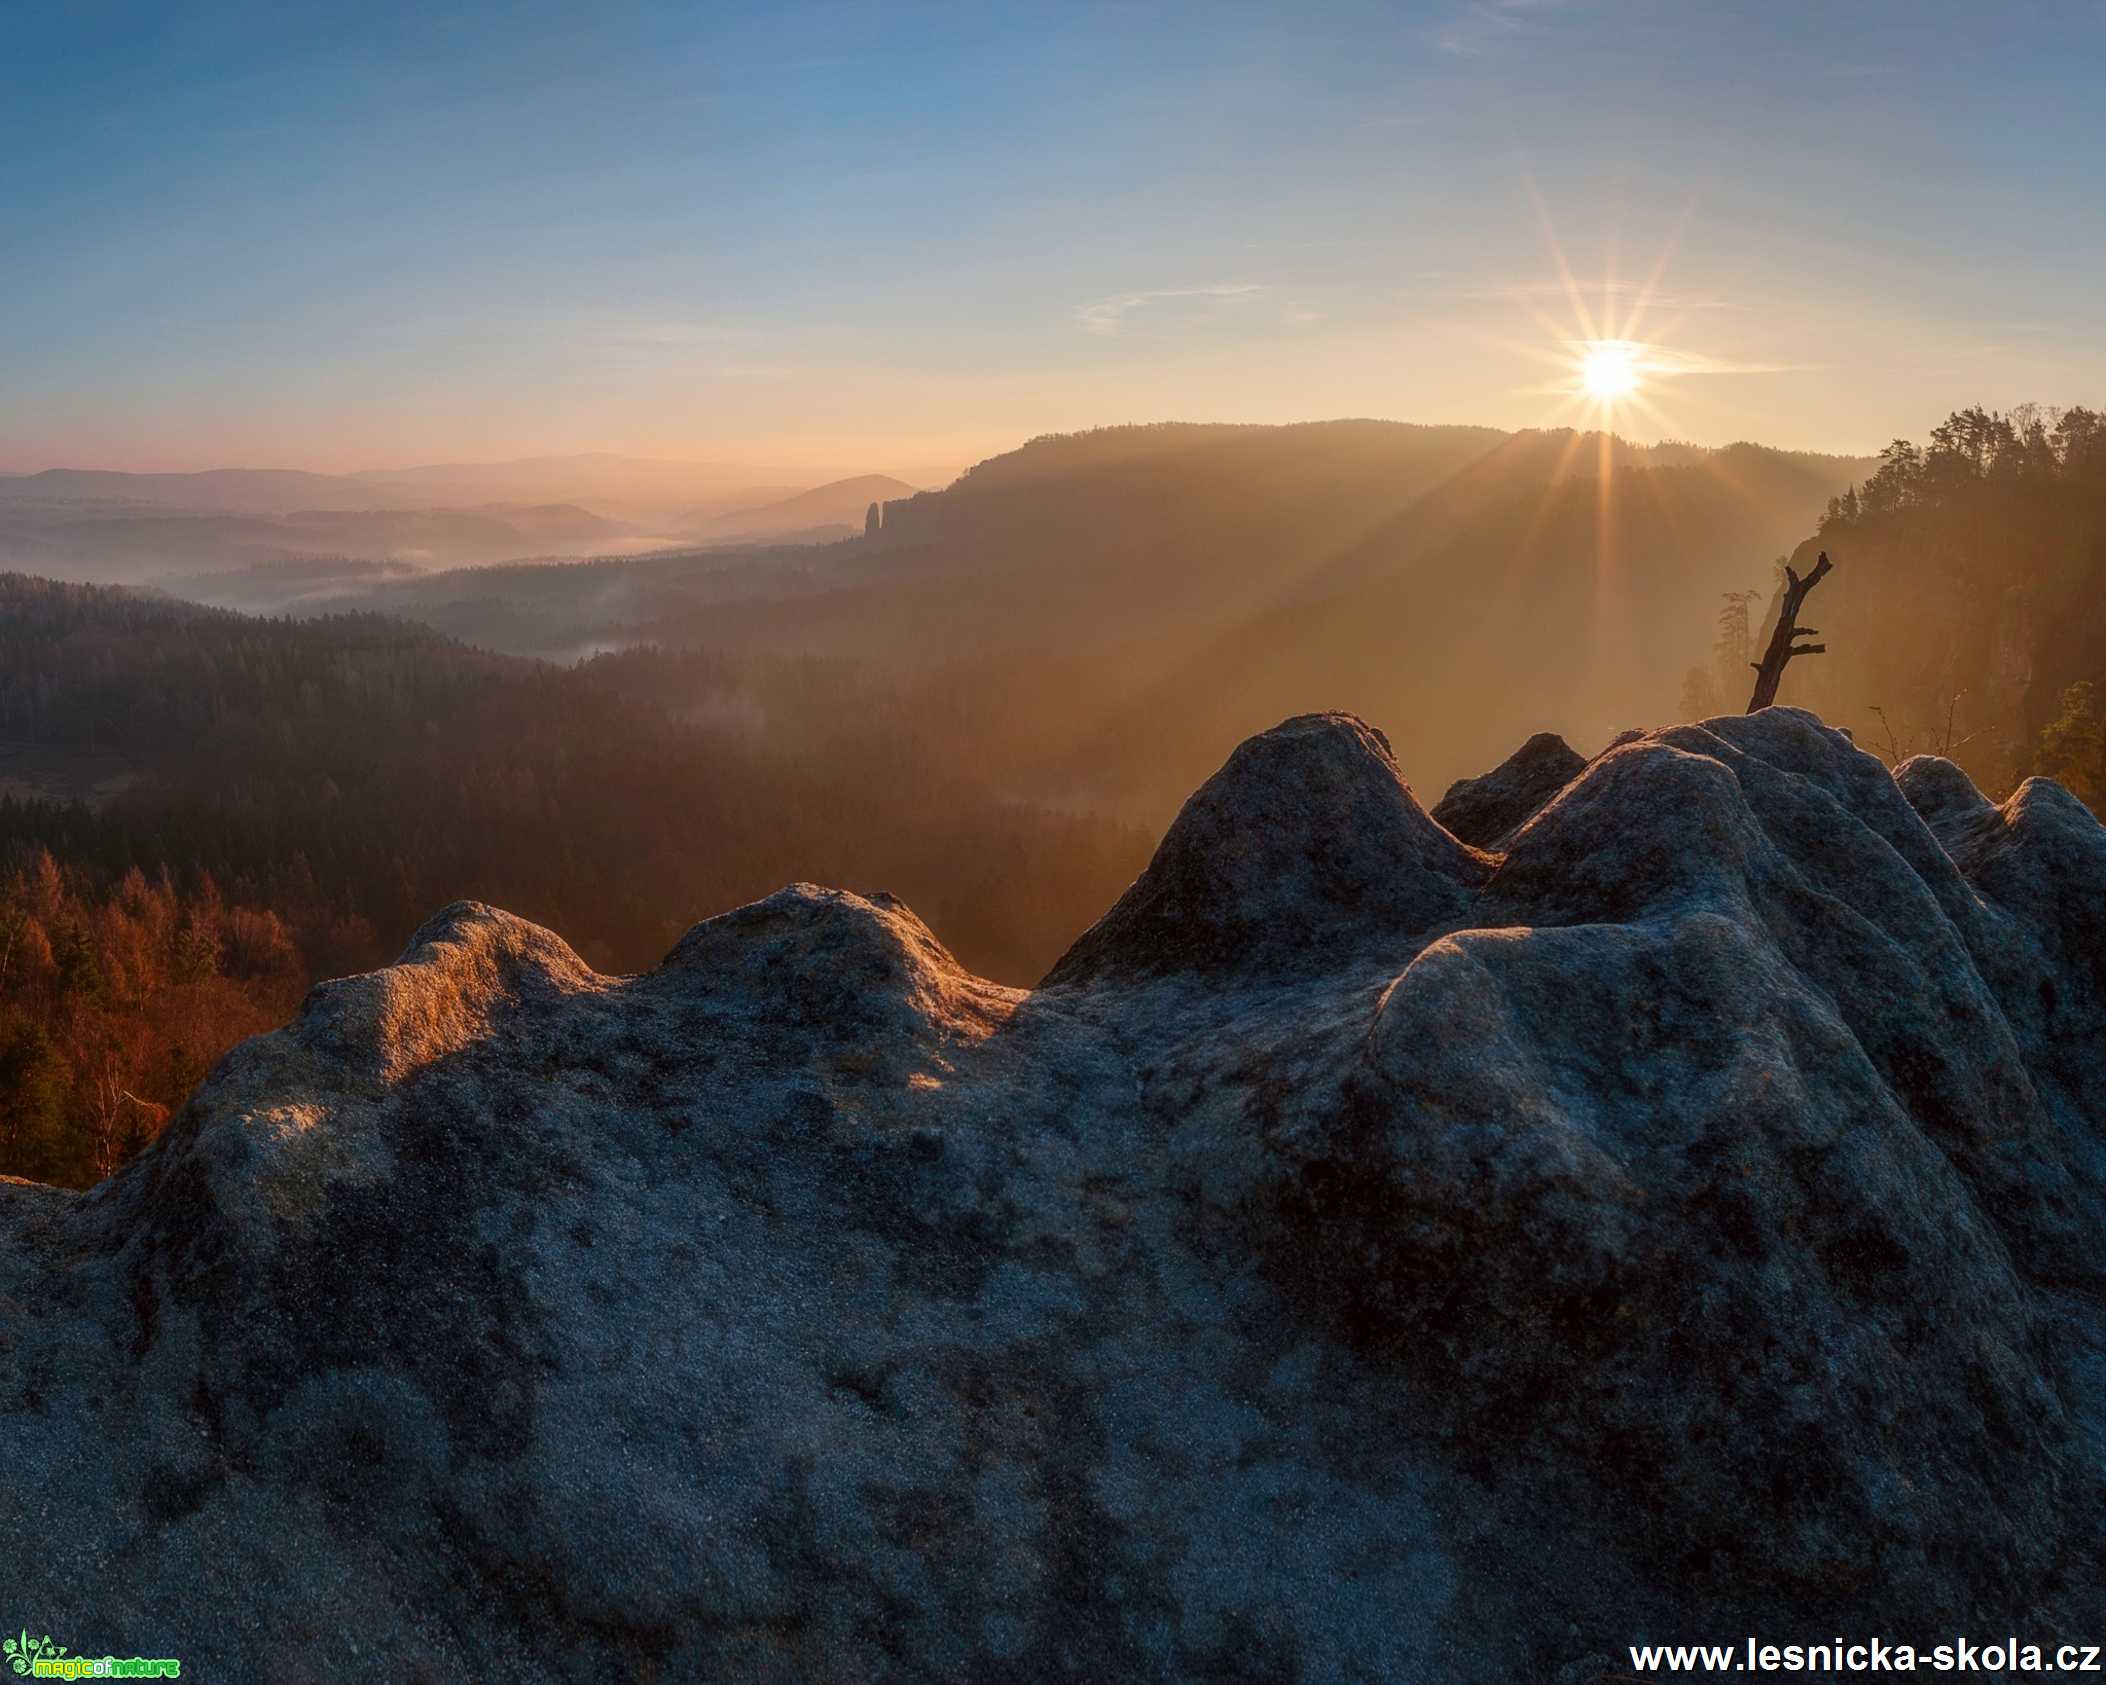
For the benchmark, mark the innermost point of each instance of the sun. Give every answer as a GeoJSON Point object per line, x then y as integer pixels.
{"type": "Point", "coordinates": [1609, 369]}
{"type": "Point", "coordinates": [1613, 366]}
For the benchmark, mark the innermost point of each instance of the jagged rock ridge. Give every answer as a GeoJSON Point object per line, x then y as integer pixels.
{"type": "Point", "coordinates": [1667, 1206]}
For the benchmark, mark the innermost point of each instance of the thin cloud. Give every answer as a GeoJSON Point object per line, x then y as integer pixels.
{"type": "Point", "coordinates": [1106, 317]}
{"type": "Point", "coordinates": [1485, 24]}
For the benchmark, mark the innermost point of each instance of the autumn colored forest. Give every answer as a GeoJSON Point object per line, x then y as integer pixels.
{"type": "Point", "coordinates": [118, 997]}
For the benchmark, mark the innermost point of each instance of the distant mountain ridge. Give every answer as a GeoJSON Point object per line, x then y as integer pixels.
{"type": "Point", "coordinates": [120, 542]}
{"type": "Point", "coordinates": [1466, 583]}
{"type": "Point", "coordinates": [602, 479]}
{"type": "Point", "coordinates": [1102, 614]}
{"type": "Point", "coordinates": [836, 507]}
{"type": "Point", "coordinates": [117, 527]}
{"type": "Point", "coordinates": [598, 477]}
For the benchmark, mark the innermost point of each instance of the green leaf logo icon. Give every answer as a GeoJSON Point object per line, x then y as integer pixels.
{"type": "Point", "coordinates": [22, 1650]}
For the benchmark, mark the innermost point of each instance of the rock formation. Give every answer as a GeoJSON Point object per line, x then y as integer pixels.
{"type": "Point", "coordinates": [1483, 810]}
{"type": "Point", "coordinates": [1664, 1204]}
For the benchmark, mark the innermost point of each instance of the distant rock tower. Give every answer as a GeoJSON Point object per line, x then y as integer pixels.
{"type": "Point", "coordinates": [873, 520]}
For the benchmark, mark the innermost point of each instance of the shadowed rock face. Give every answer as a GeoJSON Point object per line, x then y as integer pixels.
{"type": "Point", "coordinates": [1484, 810]}
{"type": "Point", "coordinates": [1368, 1257]}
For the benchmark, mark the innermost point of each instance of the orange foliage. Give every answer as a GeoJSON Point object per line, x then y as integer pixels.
{"type": "Point", "coordinates": [114, 1002]}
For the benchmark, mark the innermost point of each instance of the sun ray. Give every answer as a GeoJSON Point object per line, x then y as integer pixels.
{"type": "Point", "coordinates": [1635, 322]}
{"type": "Point", "coordinates": [1557, 252]}
{"type": "Point", "coordinates": [1618, 365]}
{"type": "Point", "coordinates": [1555, 485]}
{"type": "Point", "coordinates": [1609, 328]}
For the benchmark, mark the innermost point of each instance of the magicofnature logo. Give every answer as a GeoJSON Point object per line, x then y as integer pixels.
{"type": "Point", "coordinates": [43, 1659]}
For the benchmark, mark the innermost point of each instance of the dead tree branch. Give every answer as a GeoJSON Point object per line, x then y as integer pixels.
{"type": "Point", "coordinates": [1769, 671]}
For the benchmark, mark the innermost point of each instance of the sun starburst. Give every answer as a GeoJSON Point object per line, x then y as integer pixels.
{"type": "Point", "coordinates": [1608, 369]}
{"type": "Point", "coordinates": [1611, 364]}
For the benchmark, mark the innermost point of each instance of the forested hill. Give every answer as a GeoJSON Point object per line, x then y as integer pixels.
{"type": "Point", "coordinates": [347, 775]}
{"type": "Point", "coordinates": [1167, 591]}
{"type": "Point", "coordinates": [93, 668]}
{"type": "Point", "coordinates": [383, 770]}
{"type": "Point", "coordinates": [1536, 587]}
{"type": "Point", "coordinates": [1966, 611]}
{"type": "Point", "coordinates": [1107, 614]}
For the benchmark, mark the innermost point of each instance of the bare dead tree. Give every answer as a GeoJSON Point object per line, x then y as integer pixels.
{"type": "Point", "coordinates": [1893, 743]}
{"type": "Point", "coordinates": [1951, 742]}
{"type": "Point", "coordinates": [1769, 671]}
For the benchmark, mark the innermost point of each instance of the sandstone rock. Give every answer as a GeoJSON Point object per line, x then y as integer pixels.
{"type": "Point", "coordinates": [1369, 1257]}
{"type": "Point", "coordinates": [1484, 810]}
{"type": "Point", "coordinates": [1307, 844]}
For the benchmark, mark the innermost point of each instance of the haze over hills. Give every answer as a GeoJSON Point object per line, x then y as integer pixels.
{"type": "Point", "coordinates": [1462, 584]}
{"type": "Point", "coordinates": [110, 526]}
{"type": "Point", "coordinates": [1114, 608]}
{"type": "Point", "coordinates": [112, 541]}
{"type": "Point", "coordinates": [634, 487]}
{"type": "Point", "coordinates": [594, 475]}
{"type": "Point", "coordinates": [345, 769]}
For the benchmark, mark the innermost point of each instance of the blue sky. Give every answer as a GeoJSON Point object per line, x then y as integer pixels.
{"type": "Point", "coordinates": [903, 235]}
